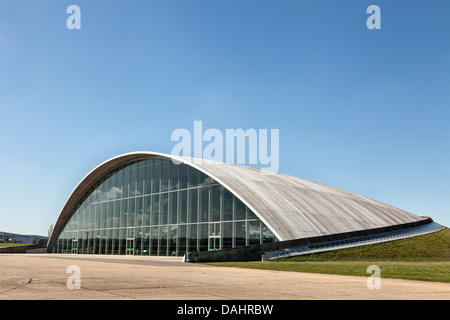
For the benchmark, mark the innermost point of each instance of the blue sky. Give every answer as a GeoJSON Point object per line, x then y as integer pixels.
{"type": "Point", "coordinates": [364, 110]}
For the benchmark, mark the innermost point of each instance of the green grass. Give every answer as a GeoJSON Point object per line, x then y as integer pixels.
{"type": "Point", "coordinates": [7, 245]}
{"type": "Point", "coordinates": [429, 247]}
{"type": "Point", "coordinates": [424, 271]}
{"type": "Point", "coordinates": [424, 258]}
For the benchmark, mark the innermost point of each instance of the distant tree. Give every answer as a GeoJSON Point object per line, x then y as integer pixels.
{"type": "Point", "coordinates": [50, 230]}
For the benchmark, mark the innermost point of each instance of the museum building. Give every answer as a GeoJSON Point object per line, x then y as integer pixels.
{"type": "Point", "coordinates": [149, 203]}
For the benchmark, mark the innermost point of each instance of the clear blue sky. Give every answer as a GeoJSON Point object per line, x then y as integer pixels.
{"type": "Point", "coordinates": [364, 110]}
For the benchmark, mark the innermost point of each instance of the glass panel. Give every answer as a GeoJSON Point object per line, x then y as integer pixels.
{"type": "Point", "coordinates": [215, 203]}
{"type": "Point", "coordinates": [110, 214]}
{"type": "Point", "coordinates": [164, 208]}
{"type": "Point", "coordinates": [240, 209]}
{"type": "Point", "coordinates": [203, 237]}
{"type": "Point", "coordinates": [76, 222]}
{"type": "Point", "coordinates": [146, 244]}
{"type": "Point", "coordinates": [111, 188]}
{"type": "Point", "coordinates": [126, 181]}
{"type": "Point", "coordinates": [133, 180]}
{"type": "Point", "coordinates": [84, 248]}
{"type": "Point", "coordinates": [254, 232]}
{"type": "Point", "coordinates": [82, 216]}
{"type": "Point", "coordinates": [204, 204]}
{"type": "Point", "coordinates": [140, 180]}
{"type": "Point", "coordinates": [104, 215]}
{"type": "Point", "coordinates": [193, 177]}
{"type": "Point", "coordinates": [96, 237]}
{"type": "Point", "coordinates": [153, 241]}
{"type": "Point", "coordinates": [172, 240]}
{"type": "Point", "coordinates": [227, 234]}
{"type": "Point", "coordinates": [251, 215]}
{"type": "Point", "coordinates": [193, 202]}
{"type": "Point", "coordinates": [148, 177]}
{"type": "Point", "coordinates": [173, 176]}
{"type": "Point", "coordinates": [116, 241]}
{"type": "Point", "coordinates": [124, 214]}
{"type": "Point", "coordinates": [86, 216]}
{"type": "Point", "coordinates": [163, 240]}
{"type": "Point", "coordinates": [95, 193]}
{"type": "Point", "coordinates": [267, 235]}
{"type": "Point", "coordinates": [102, 241]}
{"type": "Point", "coordinates": [109, 237]}
{"type": "Point", "coordinates": [227, 205]}
{"type": "Point", "coordinates": [118, 185]}
{"type": "Point", "coordinates": [131, 212]}
{"type": "Point", "coordinates": [147, 210]}
{"type": "Point", "coordinates": [138, 241]}
{"type": "Point", "coordinates": [165, 175]}
{"type": "Point", "coordinates": [116, 217]}
{"type": "Point", "coordinates": [98, 214]}
{"type": "Point", "coordinates": [239, 234]}
{"type": "Point", "coordinates": [105, 189]}
{"type": "Point", "coordinates": [90, 243]}
{"type": "Point", "coordinates": [173, 207]}
{"type": "Point", "coordinates": [202, 179]}
{"type": "Point", "coordinates": [68, 225]}
{"type": "Point", "coordinates": [184, 177]}
{"type": "Point", "coordinates": [183, 206]}
{"type": "Point", "coordinates": [181, 240]}
{"type": "Point", "coordinates": [139, 211]}
{"type": "Point", "coordinates": [155, 209]}
{"type": "Point", "coordinates": [92, 216]}
{"type": "Point", "coordinates": [192, 244]}
{"type": "Point", "coordinates": [122, 241]}
{"type": "Point", "coordinates": [156, 181]}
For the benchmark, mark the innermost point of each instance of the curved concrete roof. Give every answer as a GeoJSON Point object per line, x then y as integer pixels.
{"type": "Point", "coordinates": [291, 207]}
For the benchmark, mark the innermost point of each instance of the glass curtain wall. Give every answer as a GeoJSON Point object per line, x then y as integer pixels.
{"type": "Point", "coordinates": [157, 207]}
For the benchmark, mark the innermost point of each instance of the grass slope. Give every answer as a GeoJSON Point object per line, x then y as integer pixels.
{"type": "Point", "coordinates": [429, 247]}
{"type": "Point", "coordinates": [8, 245]}
{"type": "Point", "coordinates": [424, 258]}
{"type": "Point", "coordinates": [423, 271]}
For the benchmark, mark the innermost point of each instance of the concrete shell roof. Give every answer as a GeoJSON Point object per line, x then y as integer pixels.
{"type": "Point", "coordinates": [291, 207]}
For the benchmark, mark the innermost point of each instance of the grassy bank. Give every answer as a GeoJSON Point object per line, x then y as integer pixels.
{"type": "Point", "coordinates": [8, 245]}
{"type": "Point", "coordinates": [423, 271]}
{"type": "Point", "coordinates": [425, 258]}
{"type": "Point", "coordinates": [429, 247]}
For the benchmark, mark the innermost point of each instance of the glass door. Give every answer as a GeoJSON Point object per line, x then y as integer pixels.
{"type": "Point", "coordinates": [214, 236]}
{"type": "Point", "coordinates": [74, 246]}
{"type": "Point", "coordinates": [130, 247]}
{"type": "Point", "coordinates": [130, 242]}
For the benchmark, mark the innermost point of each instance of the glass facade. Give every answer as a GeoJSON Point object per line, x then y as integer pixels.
{"type": "Point", "coordinates": [157, 207]}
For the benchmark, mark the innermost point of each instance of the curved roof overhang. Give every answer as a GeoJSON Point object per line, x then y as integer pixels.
{"type": "Point", "coordinates": [290, 207]}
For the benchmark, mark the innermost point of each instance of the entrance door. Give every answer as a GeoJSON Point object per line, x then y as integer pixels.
{"type": "Point", "coordinates": [214, 236]}
{"type": "Point", "coordinates": [74, 246]}
{"type": "Point", "coordinates": [130, 241]}
{"type": "Point", "coordinates": [130, 247]}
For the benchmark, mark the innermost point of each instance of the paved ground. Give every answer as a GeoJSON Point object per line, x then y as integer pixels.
{"type": "Point", "coordinates": [44, 276]}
